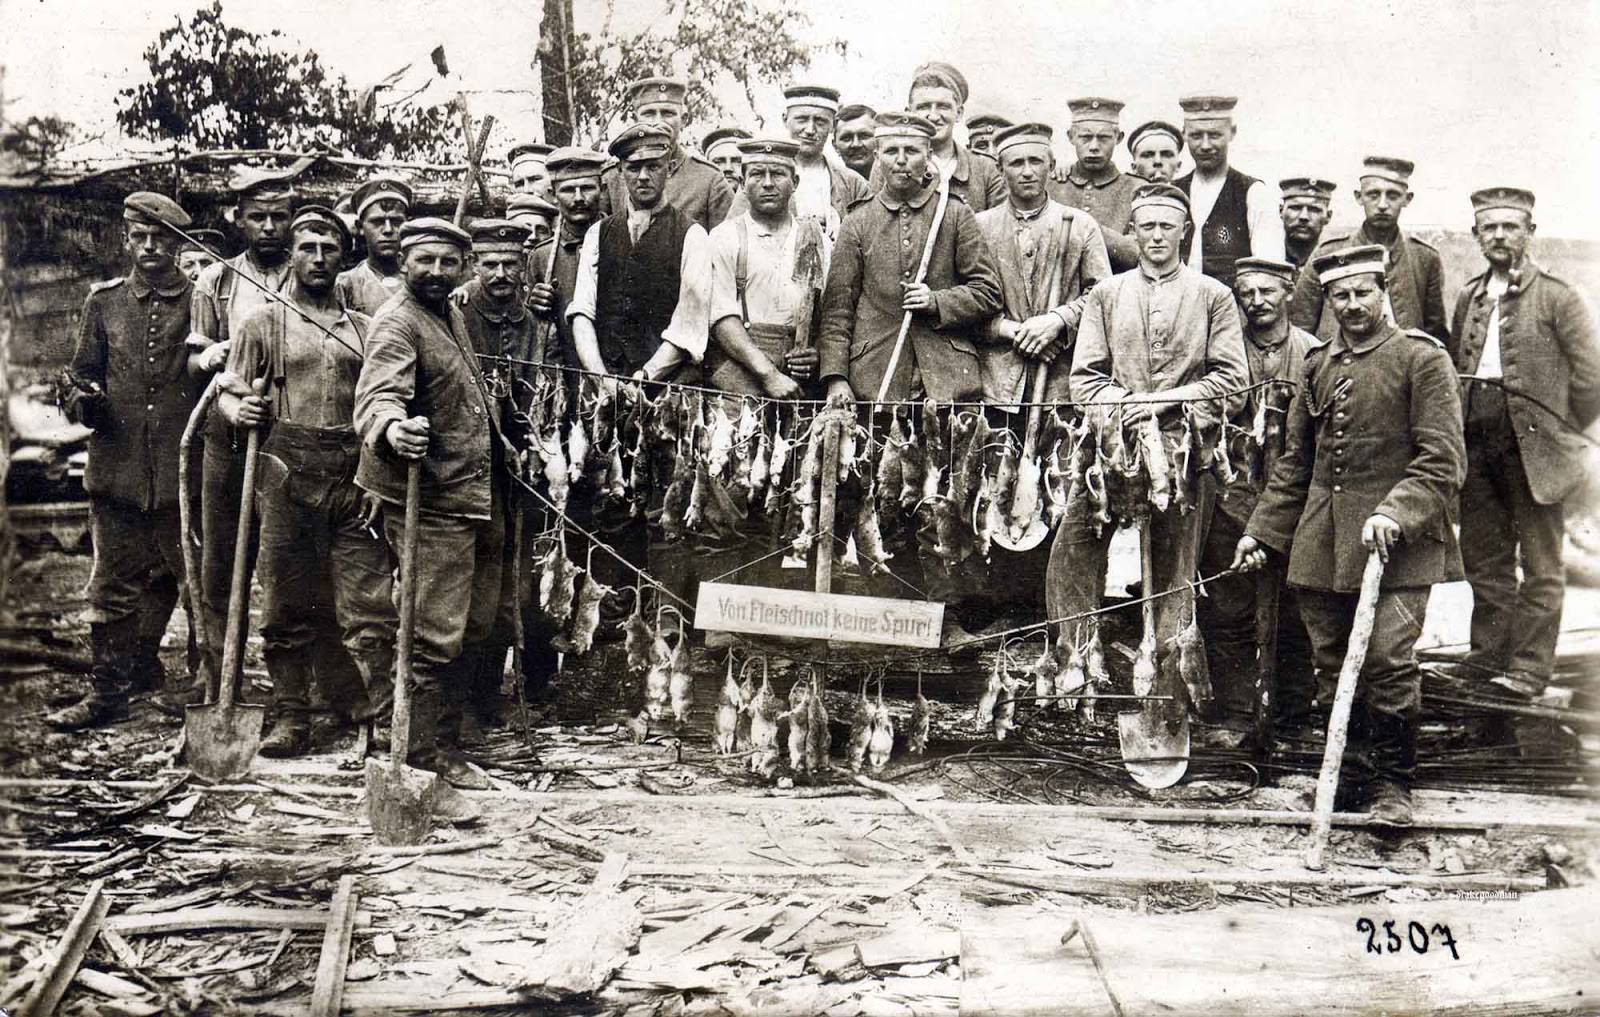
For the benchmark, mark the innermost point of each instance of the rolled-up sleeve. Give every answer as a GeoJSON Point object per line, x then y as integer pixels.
{"type": "Point", "coordinates": [584, 288]}
{"type": "Point", "coordinates": [690, 325]}
{"type": "Point", "coordinates": [207, 323]}
{"type": "Point", "coordinates": [724, 269]}
{"type": "Point", "coordinates": [388, 381]}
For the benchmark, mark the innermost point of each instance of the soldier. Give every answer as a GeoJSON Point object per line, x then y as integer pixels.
{"type": "Point", "coordinates": [137, 401]}
{"type": "Point", "coordinates": [380, 206]}
{"type": "Point", "coordinates": [853, 137]}
{"type": "Point", "coordinates": [693, 186]}
{"type": "Point", "coordinates": [825, 185]}
{"type": "Point", "coordinates": [1414, 275]}
{"type": "Point", "coordinates": [422, 396]}
{"type": "Point", "coordinates": [1373, 462]}
{"type": "Point", "coordinates": [313, 517]}
{"type": "Point", "coordinates": [536, 214]}
{"type": "Point", "coordinates": [199, 252]}
{"type": "Point", "coordinates": [1303, 208]}
{"type": "Point", "coordinates": [1149, 340]}
{"type": "Point", "coordinates": [639, 309]}
{"type": "Point", "coordinates": [1527, 343]}
{"type": "Point", "coordinates": [575, 176]}
{"type": "Point", "coordinates": [1233, 214]}
{"type": "Point", "coordinates": [981, 131]}
{"type": "Point", "coordinates": [721, 149]}
{"type": "Point", "coordinates": [530, 173]}
{"type": "Point", "coordinates": [1094, 183]}
{"type": "Point", "coordinates": [1155, 147]}
{"type": "Point", "coordinates": [1274, 350]}
{"type": "Point", "coordinates": [938, 96]}
{"type": "Point", "coordinates": [1035, 241]}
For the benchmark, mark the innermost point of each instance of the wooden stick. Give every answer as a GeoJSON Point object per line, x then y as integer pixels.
{"type": "Point", "coordinates": [1268, 581]}
{"type": "Point", "coordinates": [239, 591]}
{"type": "Point", "coordinates": [1133, 883]}
{"type": "Point", "coordinates": [400, 726]}
{"type": "Point", "coordinates": [328, 990]}
{"type": "Point", "coordinates": [1344, 696]}
{"type": "Point", "coordinates": [67, 956]}
{"type": "Point", "coordinates": [916, 808]}
{"type": "Point", "coordinates": [922, 270]}
{"type": "Point", "coordinates": [239, 917]}
{"type": "Point", "coordinates": [191, 566]}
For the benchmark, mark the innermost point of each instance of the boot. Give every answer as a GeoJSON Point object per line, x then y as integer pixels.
{"type": "Point", "coordinates": [290, 736]}
{"type": "Point", "coordinates": [107, 699]}
{"type": "Point", "coordinates": [147, 673]}
{"type": "Point", "coordinates": [1394, 750]}
{"type": "Point", "coordinates": [290, 671]}
{"type": "Point", "coordinates": [453, 807]}
{"type": "Point", "coordinates": [435, 731]}
{"type": "Point", "coordinates": [488, 675]}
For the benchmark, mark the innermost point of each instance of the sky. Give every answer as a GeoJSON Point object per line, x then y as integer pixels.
{"type": "Point", "coordinates": [1476, 93]}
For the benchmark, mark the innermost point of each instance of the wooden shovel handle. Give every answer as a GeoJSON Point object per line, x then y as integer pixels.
{"type": "Point", "coordinates": [238, 590]}
{"type": "Point", "coordinates": [400, 727]}
{"type": "Point", "coordinates": [922, 271]}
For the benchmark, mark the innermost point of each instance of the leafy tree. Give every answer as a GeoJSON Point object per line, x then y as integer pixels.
{"type": "Point", "coordinates": [710, 41]}
{"type": "Point", "coordinates": [215, 86]}
{"type": "Point", "coordinates": [36, 140]}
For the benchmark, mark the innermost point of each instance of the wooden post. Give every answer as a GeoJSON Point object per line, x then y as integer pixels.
{"type": "Point", "coordinates": [328, 991]}
{"type": "Point", "coordinates": [827, 504]}
{"type": "Point", "coordinates": [1268, 582]}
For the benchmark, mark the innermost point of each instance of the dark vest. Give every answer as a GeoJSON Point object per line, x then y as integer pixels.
{"type": "Point", "coordinates": [637, 287]}
{"type": "Point", "coordinates": [1226, 233]}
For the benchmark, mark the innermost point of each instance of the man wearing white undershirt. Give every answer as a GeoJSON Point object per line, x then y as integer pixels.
{"type": "Point", "coordinates": [1234, 216]}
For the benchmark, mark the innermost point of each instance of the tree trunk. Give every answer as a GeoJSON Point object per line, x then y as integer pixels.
{"type": "Point", "coordinates": [555, 31]}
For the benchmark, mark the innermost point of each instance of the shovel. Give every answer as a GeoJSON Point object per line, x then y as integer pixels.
{"type": "Point", "coordinates": [1154, 738]}
{"type": "Point", "coordinates": [222, 737]}
{"type": "Point", "coordinates": [400, 797]}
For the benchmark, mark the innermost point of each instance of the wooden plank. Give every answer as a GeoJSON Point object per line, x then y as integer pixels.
{"type": "Point", "coordinates": [1533, 955]}
{"type": "Point", "coordinates": [800, 614]}
{"type": "Point", "coordinates": [67, 955]}
{"type": "Point", "coordinates": [195, 919]}
{"type": "Point", "coordinates": [585, 950]}
{"type": "Point", "coordinates": [328, 989]}
{"type": "Point", "coordinates": [1135, 883]}
{"type": "Point", "coordinates": [911, 946]}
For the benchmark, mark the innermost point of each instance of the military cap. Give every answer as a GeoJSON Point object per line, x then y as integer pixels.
{"type": "Point", "coordinates": [1267, 266]}
{"type": "Point", "coordinates": [432, 230]}
{"type": "Point", "coordinates": [498, 235]}
{"type": "Point", "coordinates": [1367, 259]}
{"type": "Point", "coordinates": [1022, 134]}
{"type": "Point", "coordinates": [323, 218]}
{"type": "Point", "coordinates": [261, 183]}
{"type": "Point", "coordinates": [523, 203]}
{"type": "Point", "coordinates": [209, 240]}
{"type": "Point", "coordinates": [1094, 109]}
{"type": "Point", "coordinates": [657, 89]}
{"type": "Point", "coordinates": [820, 96]}
{"type": "Point", "coordinates": [1386, 167]}
{"type": "Point", "coordinates": [574, 163]}
{"type": "Point", "coordinates": [900, 124]}
{"type": "Point", "coordinates": [781, 151]}
{"type": "Point", "coordinates": [528, 150]}
{"type": "Point", "coordinates": [380, 189]}
{"type": "Point", "coordinates": [1308, 187]}
{"type": "Point", "coordinates": [1208, 107]}
{"type": "Point", "coordinates": [720, 135]}
{"type": "Point", "coordinates": [945, 74]}
{"type": "Point", "coordinates": [642, 140]}
{"type": "Point", "coordinates": [154, 209]}
{"type": "Point", "coordinates": [986, 123]}
{"type": "Point", "coordinates": [1164, 195]}
{"type": "Point", "coordinates": [1502, 197]}
{"type": "Point", "coordinates": [1154, 127]}
{"type": "Point", "coordinates": [856, 110]}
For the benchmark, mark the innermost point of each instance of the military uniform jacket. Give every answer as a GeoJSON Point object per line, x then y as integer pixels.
{"type": "Point", "coordinates": [365, 289]}
{"type": "Point", "coordinates": [1280, 361]}
{"type": "Point", "coordinates": [420, 362]}
{"type": "Point", "coordinates": [1374, 429]}
{"type": "Point", "coordinates": [976, 179]}
{"type": "Point", "coordinates": [564, 279]}
{"type": "Point", "coordinates": [694, 187]}
{"type": "Point", "coordinates": [1109, 199]}
{"type": "Point", "coordinates": [880, 246]}
{"type": "Point", "coordinates": [131, 345]}
{"type": "Point", "coordinates": [1415, 280]}
{"type": "Point", "coordinates": [1548, 349]}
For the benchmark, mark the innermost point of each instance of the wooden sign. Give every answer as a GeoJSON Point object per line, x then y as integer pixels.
{"type": "Point", "coordinates": [798, 614]}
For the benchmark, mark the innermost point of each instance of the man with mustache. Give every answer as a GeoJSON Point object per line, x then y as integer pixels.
{"type": "Point", "coordinates": [1303, 208]}
{"type": "Point", "coordinates": [1094, 183]}
{"type": "Point", "coordinates": [313, 517]}
{"type": "Point", "coordinates": [575, 178]}
{"type": "Point", "coordinates": [692, 185]}
{"type": "Point", "coordinates": [1233, 216]}
{"type": "Point", "coordinates": [1155, 147]}
{"type": "Point", "coordinates": [939, 96]}
{"type": "Point", "coordinates": [1373, 461]}
{"type": "Point", "coordinates": [131, 383]}
{"type": "Point", "coordinates": [853, 137]}
{"type": "Point", "coordinates": [381, 206]}
{"type": "Point", "coordinates": [1414, 275]}
{"type": "Point", "coordinates": [1520, 334]}
{"type": "Point", "coordinates": [530, 171]}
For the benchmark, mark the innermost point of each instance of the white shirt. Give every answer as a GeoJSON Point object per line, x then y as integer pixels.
{"type": "Point", "coordinates": [1489, 363]}
{"type": "Point", "coordinates": [689, 326]}
{"type": "Point", "coordinates": [814, 194]}
{"type": "Point", "coordinates": [770, 292]}
{"type": "Point", "coordinates": [1261, 214]}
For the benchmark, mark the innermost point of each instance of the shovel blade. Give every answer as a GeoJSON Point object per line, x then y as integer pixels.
{"type": "Point", "coordinates": [1155, 750]}
{"type": "Point", "coordinates": [399, 802]}
{"type": "Point", "coordinates": [221, 741]}
{"type": "Point", "coordinates": [1031, 538]}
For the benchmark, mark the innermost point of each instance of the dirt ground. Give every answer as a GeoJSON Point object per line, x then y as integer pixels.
{"type": "Point", "coordinates": [736, 894]}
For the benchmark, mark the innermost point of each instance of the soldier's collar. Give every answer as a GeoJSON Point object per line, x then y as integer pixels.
{"type": "Point", "coordinates": [512, 310]}
{"type": "Point", "coordinates": [142, 287]}
{"type": "Point", "coordinates": [1272, 340]}
{"type": "Point", "coordinates": [1343, 345]}
{"type": "Point", "coordinates": [915, 201]}
{"type": "Point", "coordinates": [1104, 178]}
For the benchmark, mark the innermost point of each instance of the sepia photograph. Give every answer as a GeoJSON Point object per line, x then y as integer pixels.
{"type": "Point", "coordinates": [773, 508]}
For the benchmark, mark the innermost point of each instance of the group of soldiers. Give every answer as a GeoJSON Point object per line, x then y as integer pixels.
{"type": "Point", "coordinates": [654, 263]}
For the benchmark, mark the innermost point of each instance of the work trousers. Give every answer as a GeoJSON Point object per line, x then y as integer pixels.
{"type": "Point", "coordinates": [1228, 619]}
{"type": "Point", "coordinates": [311, 528]}
{"type": "Point", "coordinates": [137, 562]}
{"type": "Point", "coordinates": [1383, 723]}
{"type": "Point", "coordinates": [1514, 624]}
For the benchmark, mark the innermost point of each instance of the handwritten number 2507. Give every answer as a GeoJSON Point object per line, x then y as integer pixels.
{"type": "Point", "coordinates": [1416, 935]}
